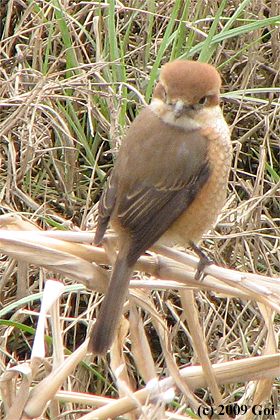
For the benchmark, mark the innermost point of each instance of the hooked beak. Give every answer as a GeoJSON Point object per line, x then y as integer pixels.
{"type": "Point", "coordinates": [178, 108]}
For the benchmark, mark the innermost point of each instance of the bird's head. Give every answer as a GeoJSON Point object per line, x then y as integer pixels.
{"type": "Point", "coordinates": [185, 88]}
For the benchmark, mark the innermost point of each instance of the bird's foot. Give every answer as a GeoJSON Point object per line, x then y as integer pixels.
{"type": "Point", "coordinates": [204, 261]}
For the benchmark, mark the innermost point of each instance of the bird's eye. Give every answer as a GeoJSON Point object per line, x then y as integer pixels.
{"type": "Point", "coordinates": [203, 100]}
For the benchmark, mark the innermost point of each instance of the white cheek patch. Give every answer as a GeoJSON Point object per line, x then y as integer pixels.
{"type": "Point", "coordinates": [166, 113]}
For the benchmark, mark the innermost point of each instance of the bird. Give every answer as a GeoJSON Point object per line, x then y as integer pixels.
{"type": "Point", "coordinates": [169, 181]}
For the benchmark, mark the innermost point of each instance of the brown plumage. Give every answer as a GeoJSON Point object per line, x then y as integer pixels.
{"type": "Point", "coordinates": [169, 182]}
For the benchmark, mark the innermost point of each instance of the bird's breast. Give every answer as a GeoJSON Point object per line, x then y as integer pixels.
{"type": "Point", "coordinates": [205, 208]}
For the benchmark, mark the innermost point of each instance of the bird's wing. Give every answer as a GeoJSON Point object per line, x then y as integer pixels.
{"type": "Point", "coordinates": [148, 212]}
{"type": "Point", "coordinates": [105, 208]}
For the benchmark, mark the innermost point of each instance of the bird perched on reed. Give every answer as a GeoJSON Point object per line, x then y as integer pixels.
{"type": "Point", "coordinates": [169, 181]}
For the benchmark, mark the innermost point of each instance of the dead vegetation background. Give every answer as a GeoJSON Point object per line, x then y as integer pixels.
{"type": "Point", "coordinates": [72, 77]}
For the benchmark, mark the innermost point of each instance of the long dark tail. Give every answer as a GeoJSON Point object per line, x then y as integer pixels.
{"type": "Point", "coordinates": [105, 327]}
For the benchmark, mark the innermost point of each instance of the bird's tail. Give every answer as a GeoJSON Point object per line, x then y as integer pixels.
{"type": "Point", "coordinates": [111, 308]}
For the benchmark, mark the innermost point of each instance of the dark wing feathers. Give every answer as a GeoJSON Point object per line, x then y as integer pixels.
{"type": "Point", "coordinates": [157, 211]}
{"type": "Point", "coordinates": [105, 208]}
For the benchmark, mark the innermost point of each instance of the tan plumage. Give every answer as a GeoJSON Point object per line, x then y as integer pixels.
{"type": "Point", "coordinates": [169, 182]}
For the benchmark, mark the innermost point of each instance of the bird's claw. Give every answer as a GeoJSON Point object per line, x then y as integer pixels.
{"type": "Point", "coordinates": [203, 262]}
